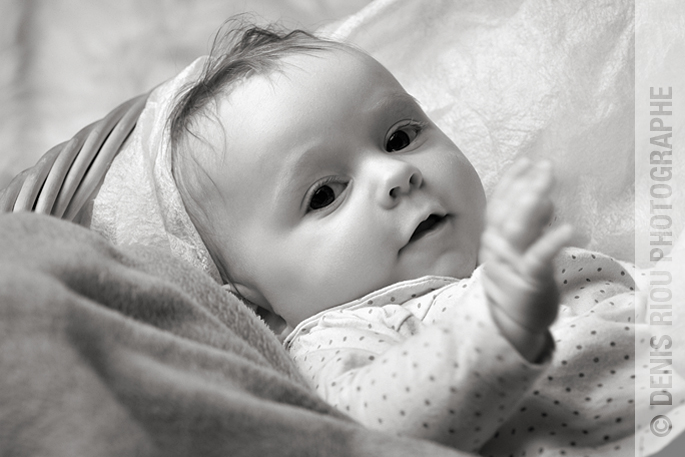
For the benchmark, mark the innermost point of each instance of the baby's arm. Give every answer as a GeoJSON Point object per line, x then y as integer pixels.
{"type": "Point", "coordinates": [455, 381]}
{"type": "Point", "coordinates": [518, 257]}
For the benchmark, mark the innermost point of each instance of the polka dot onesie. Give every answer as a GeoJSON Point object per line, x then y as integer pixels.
{"type": "Point", "coordinates": [424, 358]}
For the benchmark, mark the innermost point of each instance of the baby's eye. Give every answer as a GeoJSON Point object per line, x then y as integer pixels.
{"type": "Point", "coordinates": [325, 194]}
{"type": "Point", "coordinates": [402, 137]}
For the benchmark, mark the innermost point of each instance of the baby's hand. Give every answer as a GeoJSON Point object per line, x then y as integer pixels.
{"type": "Point", "coordinates": [518, 256]}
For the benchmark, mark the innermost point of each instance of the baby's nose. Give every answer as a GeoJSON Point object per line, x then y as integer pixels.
{"type": "Point", "coordinates": [397, 178]}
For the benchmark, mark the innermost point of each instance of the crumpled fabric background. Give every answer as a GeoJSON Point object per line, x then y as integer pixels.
{"type": "Point", "coordinates": [546, 80]}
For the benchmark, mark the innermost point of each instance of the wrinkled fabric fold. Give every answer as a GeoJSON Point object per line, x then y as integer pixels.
{"type": "Point", "coordinates": [139, 201]}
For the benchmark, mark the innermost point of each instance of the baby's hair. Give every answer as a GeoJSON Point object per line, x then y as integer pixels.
{"type": "Point", "coordinates": [239, 52]}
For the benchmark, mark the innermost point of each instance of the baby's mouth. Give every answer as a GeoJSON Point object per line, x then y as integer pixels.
{"type": "Point", "coordinates": [431, 223]}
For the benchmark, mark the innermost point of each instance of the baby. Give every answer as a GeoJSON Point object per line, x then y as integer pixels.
{"type": "Point", "coordinates": [328, 199]}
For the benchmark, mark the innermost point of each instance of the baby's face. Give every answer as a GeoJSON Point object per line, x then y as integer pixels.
{"type": "Point", "coordinates": [334, 184]}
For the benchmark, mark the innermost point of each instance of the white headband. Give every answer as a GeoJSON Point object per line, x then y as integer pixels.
{"type": "Point", "coordinates": [139, 202]}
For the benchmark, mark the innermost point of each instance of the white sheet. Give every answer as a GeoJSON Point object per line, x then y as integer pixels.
{"type": "Point", "coordinates": [532, 78]}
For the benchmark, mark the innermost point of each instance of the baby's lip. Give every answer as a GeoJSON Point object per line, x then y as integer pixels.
{"type": "Point", "coordinates": [426, 224]}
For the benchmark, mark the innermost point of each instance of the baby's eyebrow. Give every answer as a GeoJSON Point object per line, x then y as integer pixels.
{"type": "Point", "coordinates": [396, 99]}
{"type": "Point", "coordinates": [295, 169]}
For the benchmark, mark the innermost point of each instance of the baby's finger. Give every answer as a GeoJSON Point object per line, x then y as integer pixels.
{"type": "Point", "coordinates": [518, 169]}
{"type": "Point", "coordinates": [525, 225]}
{"type": "Point", "coordinates": [495, 248]}
{"type": "Point", "coordinates": [538, 181]}
{"type": "Point", "coordinates": [520, 192]}
{"type": "Point", "coordinates": [511, 177]}
{"type": "Point", "coordinates": [543, 251]}
{"type": "Point", "coordinates": [525, 299]}
{"type": "Point", "coordinates": [497, 281]}
{"type": "Point", "coordinates": [530, 207]}
{"type": "Point", "coordinates": [508, 184]}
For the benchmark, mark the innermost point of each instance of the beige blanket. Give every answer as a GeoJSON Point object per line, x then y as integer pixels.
{"type": "Point", "coordinates": [107, 351]}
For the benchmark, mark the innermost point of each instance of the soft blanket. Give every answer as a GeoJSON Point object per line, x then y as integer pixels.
{"type": "Point", "coordinates": [109, 351]}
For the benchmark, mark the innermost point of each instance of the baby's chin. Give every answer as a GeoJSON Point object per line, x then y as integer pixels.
{"type": "Point", "coordinates": [452, 265]}
{"type": "Point", "coordinates": [449, 265]}
{"type": "Point", "coordinates": [453, 271]}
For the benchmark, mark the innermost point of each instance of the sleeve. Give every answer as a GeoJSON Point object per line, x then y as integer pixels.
{"type": "Point", "coordinates": [587, 398]}
{"type": "Point", "coordinates": [454, 381]}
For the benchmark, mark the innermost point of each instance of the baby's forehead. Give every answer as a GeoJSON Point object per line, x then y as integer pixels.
{"type": "Point", "coordinates": [294, 67]}
{"type": "Point", "coordinates": [333, 58]}
{"type": "Point", "coordinates": [313, 86]}
{"type": "Point", "coordinates": [336, 64]}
